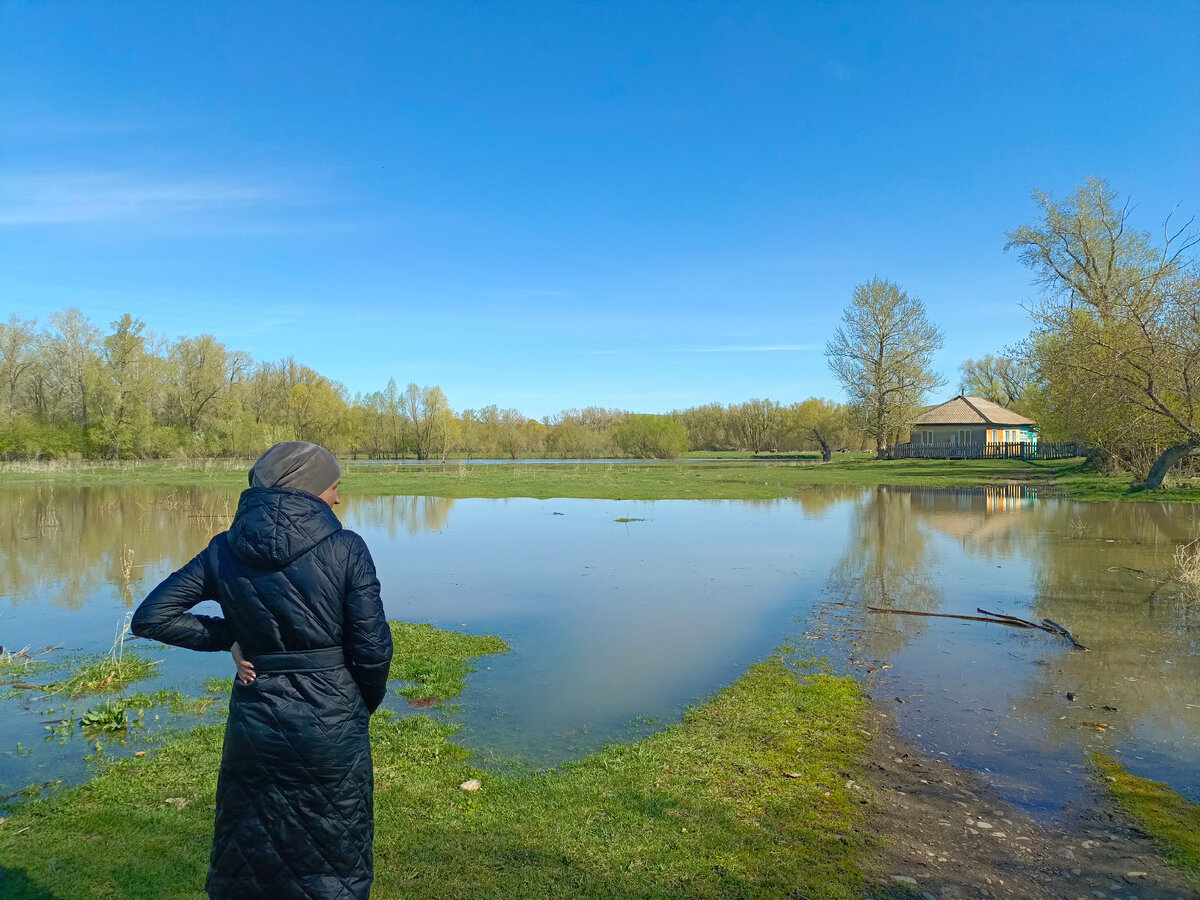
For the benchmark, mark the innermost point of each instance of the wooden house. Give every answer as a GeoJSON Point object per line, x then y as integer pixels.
{"type": "Point", "coordinates": [974, 428]}
{"type": "Point", "coordinates": [972, 420]}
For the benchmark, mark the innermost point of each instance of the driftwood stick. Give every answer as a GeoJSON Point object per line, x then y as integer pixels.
{"type": "Point", "coordinates": [1024, 622]}
{"type": "Point", "coordinates": [913, 612]}
{"type": "Point", "coordinates": [1070, 637]}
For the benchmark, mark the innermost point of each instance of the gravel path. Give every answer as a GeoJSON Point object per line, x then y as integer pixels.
{"type": "Point", "coordinates": [948, 836]}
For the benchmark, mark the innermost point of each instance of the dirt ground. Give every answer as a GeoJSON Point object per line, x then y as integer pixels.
{"type": "Point", "coordinates": [948, 836]}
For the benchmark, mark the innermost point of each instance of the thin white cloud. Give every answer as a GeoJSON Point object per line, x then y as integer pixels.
{"type": "Point", "coordinates": [771, 348]}
{"type": "Point", "coordinates": [90, 198]}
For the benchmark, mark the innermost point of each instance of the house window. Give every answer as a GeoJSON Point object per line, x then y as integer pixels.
{"type": "Point", "coordinates": [926, 437]}
{"type": "Point", "coordinates": [964, 435]}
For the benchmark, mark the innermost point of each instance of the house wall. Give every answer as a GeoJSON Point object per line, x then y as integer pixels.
{"type": "Point", "coordinates": [971, 434]}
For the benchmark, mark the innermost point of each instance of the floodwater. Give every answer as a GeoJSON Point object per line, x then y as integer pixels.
{"type": "Point", "coordinates": [617, 625]}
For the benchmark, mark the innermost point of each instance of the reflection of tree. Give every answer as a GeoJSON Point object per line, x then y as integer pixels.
{"type": "Point", "coordinates": [815, 499]}
{"type": "Point", "coordinates": [887, 563]}
{"type": "Point", "coordinates": [391, 514]}
{"type": "Point", "coordinates": [68, 545]}
{"type": "Point", "coordinates": [1102, 571]}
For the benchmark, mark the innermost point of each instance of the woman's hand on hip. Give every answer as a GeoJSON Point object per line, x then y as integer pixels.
{"type": "Point", "coordinates": [245, 668]}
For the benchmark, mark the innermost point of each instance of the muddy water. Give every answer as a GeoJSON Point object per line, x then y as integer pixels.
{"type": "Point", "coordinates": [617, 625]}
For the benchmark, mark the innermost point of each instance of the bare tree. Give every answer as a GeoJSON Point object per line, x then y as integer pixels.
{"type": "Point", "coordinates": [882, 355]}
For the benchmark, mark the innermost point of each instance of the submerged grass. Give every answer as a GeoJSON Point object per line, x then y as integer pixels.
{"type": "Point", "coordinates": [103, 675]}
{"type": "Point", "coordinates": [436, 663]}
{"type": "Point", "coordinates": [1173, 821]}
{"type": "Point", "coordinates": [18, 665]}
{"type": "Point", "coordinates": [745, 797]}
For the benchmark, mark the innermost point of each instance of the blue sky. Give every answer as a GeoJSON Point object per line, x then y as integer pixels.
{"type": "Point", "coordinates": [645, 205]}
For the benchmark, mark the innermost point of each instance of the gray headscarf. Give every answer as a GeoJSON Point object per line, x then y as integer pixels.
{"type": "Point", "coordinates": [296, 464]}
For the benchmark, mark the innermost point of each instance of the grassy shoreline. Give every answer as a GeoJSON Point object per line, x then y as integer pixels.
{"type": "Point", "coordinates": [747, 796]}
{"type": "Point", "coordinates": [675, 480]}
{"type": "Point", "coordinates": [1171, 820]}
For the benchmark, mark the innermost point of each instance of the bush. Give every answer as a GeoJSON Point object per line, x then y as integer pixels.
{"type": "Point", "coordinates": [652, 437]}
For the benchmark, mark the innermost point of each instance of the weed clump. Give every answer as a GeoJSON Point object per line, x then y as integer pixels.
{"type": "Point", "coordinates": [106, 674]}
{"type": "Point", "coordinates": [1187, 569]}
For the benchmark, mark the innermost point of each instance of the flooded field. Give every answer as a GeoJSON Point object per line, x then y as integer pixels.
{"type": "Point", "coordinates": [620, 613]}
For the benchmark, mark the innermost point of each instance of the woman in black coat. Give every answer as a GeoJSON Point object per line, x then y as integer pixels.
{"type": "Point", "coordinates": [301, 600]}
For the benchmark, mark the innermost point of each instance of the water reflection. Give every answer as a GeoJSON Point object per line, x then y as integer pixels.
{"type": "Point", "coordinates": [67, 546]}
{"type": "Point", "coordinates": [614, 620]}
{"type": "Point", "coordinates": [979, 691]}
{"type": "Point", "coordinates": [888, 562]}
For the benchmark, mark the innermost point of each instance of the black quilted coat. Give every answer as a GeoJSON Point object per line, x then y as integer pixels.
{"type": "Point", "coordinates": [299, 594]}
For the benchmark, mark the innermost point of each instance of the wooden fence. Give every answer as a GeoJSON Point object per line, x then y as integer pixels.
{"type": "Point", "coordinates": [984, 451]}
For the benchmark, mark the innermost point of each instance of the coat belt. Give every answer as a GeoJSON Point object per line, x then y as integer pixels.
{"type": "Point", "coordinates": [298, 660]}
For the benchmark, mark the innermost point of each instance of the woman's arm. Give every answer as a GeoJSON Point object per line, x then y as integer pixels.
{"type": "Point", "coordinates": [367, 639]}
{"type": "Point", "coordinates": [163, 615]}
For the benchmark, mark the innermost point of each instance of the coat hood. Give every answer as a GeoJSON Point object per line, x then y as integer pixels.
{"type": "Point", "coordinates": [274, 526]}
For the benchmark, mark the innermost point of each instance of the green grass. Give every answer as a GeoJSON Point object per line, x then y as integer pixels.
{"type": "Point", "coordinates": [435, 663]}
{"type": "Point", "coordinates": [1171, 820]}
{"type": "Point", "coordinates": [745, 797]}
{"type": "Point", "coordinates": [674, 480]}
{"type": "Point", "coordinates": [217, 685]}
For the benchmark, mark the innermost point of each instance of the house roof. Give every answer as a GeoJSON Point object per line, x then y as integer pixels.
{"type": "Point", "coordinates": [970, 411]}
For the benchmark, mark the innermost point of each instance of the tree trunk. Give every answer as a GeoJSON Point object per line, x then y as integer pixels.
{"type": "Point", "coordinates": [826, 452]}
{"type": "Point", "coordinates": [1170, 456]}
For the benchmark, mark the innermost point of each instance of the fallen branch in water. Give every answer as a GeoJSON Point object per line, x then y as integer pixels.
{"type": "Point", "coordinates": [1024, 622]}
{"type": "Point", "coordinates": [995, 618]}
{"type": "Point", "coordinates": [1070, 637]}
{"type": "Point", "coordinates": [913, 612]}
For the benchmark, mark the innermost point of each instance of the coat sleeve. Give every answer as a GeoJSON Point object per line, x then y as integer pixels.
{"type": "Point", "coordinates": [367, 639]}
{"type": "Point", "coordinates": [163, 615]}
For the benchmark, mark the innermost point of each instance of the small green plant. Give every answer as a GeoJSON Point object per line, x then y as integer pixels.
{"type": "Point", "coordinates": [108, 716]}
{"type": "Point", "coordinates": [217, 685]}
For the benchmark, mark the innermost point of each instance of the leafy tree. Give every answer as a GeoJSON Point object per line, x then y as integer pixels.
{"type": "Point", "coordinates": [822, 421]}
{"type": "Point", "coordinates": [882, 355]}
{"type": "Point", "coordinates": [1117, 330]}
{"type": "Point", "coordinates": [707, 427]}
{"type": "Point", "coordinates": [200, 375]}
{"type": "Point", "coordinates": [755, 424]}
{"type": "Point", "coordinates": [428, 413]}
{"type": "Point", "coordinates": [123, 393]}
{"type": "Point", "coordinates": [652, 437]}
{"type": "Point", "coordinates": [18, 342]}
{"type": "Point", "coordinates": [71, 363]}
{"type": "Point", "coordinates": [1001, 379]}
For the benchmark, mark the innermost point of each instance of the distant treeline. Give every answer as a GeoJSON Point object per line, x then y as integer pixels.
{"type": "Point", "coordinates": [71, 390]}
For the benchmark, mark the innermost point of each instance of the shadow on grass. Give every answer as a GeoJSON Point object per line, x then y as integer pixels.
{"type": "Point", "coordinates": [16, 885]}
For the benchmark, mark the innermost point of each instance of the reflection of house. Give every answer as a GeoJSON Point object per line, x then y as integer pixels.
{"type": "Point", "coordinates": [972, 515]}
{"type": "Point", "coordinates": [970, 428]}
